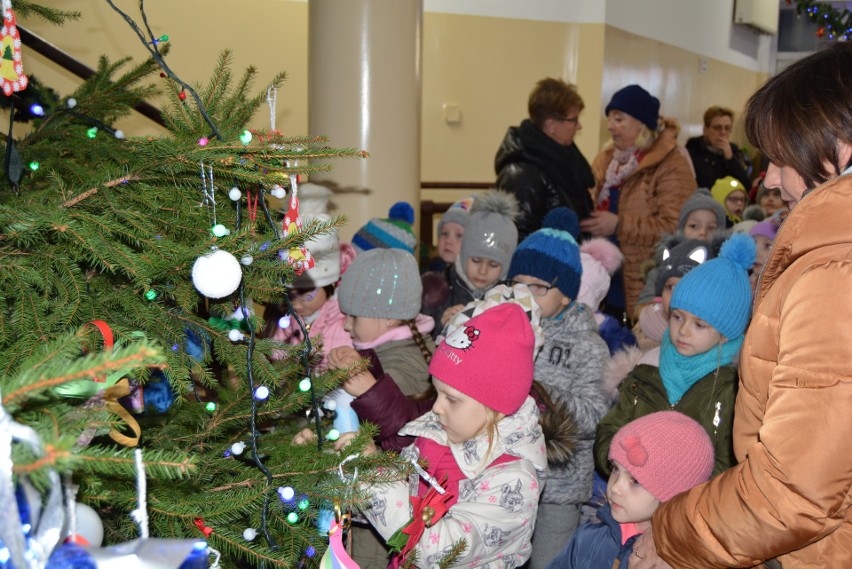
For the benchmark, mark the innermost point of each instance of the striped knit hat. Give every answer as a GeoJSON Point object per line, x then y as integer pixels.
{"type": "Point", "coordinates": [551, 253]}
{"type": "Point", "coordinates": [393, 232]}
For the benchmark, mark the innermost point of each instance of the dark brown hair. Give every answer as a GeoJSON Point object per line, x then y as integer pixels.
{"type": "Point", "coordinates": [799, 117]}
{"type": "Point", "coordinates": [717, 111]}
{"type": "Point", "coordinates": [553, 98]}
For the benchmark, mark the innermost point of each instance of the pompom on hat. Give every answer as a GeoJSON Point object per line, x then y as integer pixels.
{"type": "Point", "coordinates": [600, 258]}
{"type": "Point", "coordinates": [392, 232]}
{"type": "Point", "coordinates": [719, 291]}
{"type": "Point", "coordinates": [489, 358]}
{"type": "Point", "coordinates": [666, 452]}
{"type": "Point", "coordinates": [551, 253]}
{"type": "Point", "coordinates": [381, 283]}
{"type": "Point", "coordinates": [638, 103]}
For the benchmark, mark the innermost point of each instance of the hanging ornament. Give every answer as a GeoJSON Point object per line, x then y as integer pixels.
{"type": "Point", "coordinates": [336, 555]}
{"type": "Point", "coordinates": [11, 68]}
{"type": "Point", "coordinates": [216, 274]}
{"type": "Point", "coordinates": [298, 257]}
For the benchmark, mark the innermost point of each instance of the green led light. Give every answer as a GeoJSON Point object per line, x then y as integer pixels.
{"type": "Point", "coordinates": [333, 435]}
{"type": "Point", "coordinates": [219, 230]}
{"type": "Point", "coordinates": [303, 504]}
{"type": "Point", "coordinates": [292, 517]}
{"type": "Point", "coordinates": [151, 294]}
{"type": "Point", "coordinates": [34, 165]}
{"type": "Point", "coordinates": [305, 384]}
{"type": "Point", "coordinates": [92, 132]}
{"type": "Point", "coordinates": [246, 137]}
{"type": "Point", "coordinates": [210, 406]}
{"type": "Point", "coordinates": [163, 38]}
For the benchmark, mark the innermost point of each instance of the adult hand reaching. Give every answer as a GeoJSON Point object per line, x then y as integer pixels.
{"type": "Point", "coordinates": [600, 224]}
{"type": "Point", "coordinates": [644, 554]}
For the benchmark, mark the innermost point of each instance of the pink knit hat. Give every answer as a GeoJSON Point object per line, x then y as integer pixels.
{"type": "Point", "coordinates": [666, 452]}
{"type": "Point", "coordinates": [489, 358]}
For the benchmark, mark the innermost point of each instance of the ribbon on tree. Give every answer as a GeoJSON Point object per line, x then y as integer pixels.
{"type": "Point", "coordinates": [428, 510]}
{"type": "Point", "coordinates": [11, 66]}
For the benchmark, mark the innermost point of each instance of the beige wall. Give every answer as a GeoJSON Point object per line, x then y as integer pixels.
{"type": "Point", "coordinates": [485, 65]}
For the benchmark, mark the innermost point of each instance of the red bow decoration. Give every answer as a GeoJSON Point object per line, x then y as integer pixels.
{"type": "Point", "coordinates": [471, 332]}
{"type": "Point", "coordinates": [428, 510]}
{"type": "Point", "coordinates": [199, 523]}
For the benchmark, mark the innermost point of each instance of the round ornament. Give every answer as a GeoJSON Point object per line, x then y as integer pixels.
{"type": "Point", "coordinates": [216, 274]}
{"type": "Point", "coordinates": [89, 525]}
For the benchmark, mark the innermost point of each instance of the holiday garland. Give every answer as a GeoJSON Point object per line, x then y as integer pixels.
{"type": "Point", "coordinates": [836, 24]}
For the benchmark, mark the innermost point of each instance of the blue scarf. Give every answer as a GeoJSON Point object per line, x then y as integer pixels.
{"type": "Point", "coordinates": [679, 373]}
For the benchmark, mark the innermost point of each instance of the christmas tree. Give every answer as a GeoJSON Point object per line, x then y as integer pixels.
{"type": "Point", "coordinates": [167, 244]}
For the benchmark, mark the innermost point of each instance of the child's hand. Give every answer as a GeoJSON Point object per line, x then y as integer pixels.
{"type": "Point", "coordinates": [359, 384]}
{"type": "Point", "coordinates": [449, 313]}
{"type": "Point", "coordinates": [304, 436]}
{"type": "Point", "coordinates": [346, 439]}
{"type": "Point", "coordinates": [343, 357]}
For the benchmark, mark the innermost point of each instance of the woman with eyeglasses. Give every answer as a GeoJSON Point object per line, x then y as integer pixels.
{"type": "Point", "coordinates": [788, 503]}
{"type": "Point", "coordinates": [713, 154]}
{"type": "Point", "coordinates": [538, 161]}
{"type": "Point", "coordinates": [642, 182]}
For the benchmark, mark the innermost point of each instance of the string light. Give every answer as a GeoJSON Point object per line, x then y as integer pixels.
{"type": "Point", "coordinates": [203, 141]}
{"type": "Point", "coordinates": [92, 132]}
{"type": "Point", "coordinates": [261, 393]}
{"type": "Point", "coordinates": [151, 294]}
{"type": "Point", "coordinates": [36, 110]}
{"type": "Point", "coordinates": [333, 435]}
{"type": "Point", "coordinates": [292, 517]}
{"type": "Point", "coordinates": [286, 493]}
{"type": "Point", "coordinates": [246, 137]}
{"type": "Point", "coordinates": [211, 406]}
{"type": "Point", "coordinates": [235, 194]}
{"type": "Point", "coordinates": [162, 38]}
{"type": "Point", "coordinates": [34, 165]}
{"type": "Point", "coordinates": [220, 230]}
{"type": "Point", "coordinates": [305, 384]}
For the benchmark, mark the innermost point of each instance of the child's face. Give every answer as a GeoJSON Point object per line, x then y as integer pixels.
{"type": "Point", "coordinates": [628, 500]}
{"type": "Point", "coordinates": [364, 329]}
{"type": "Point", "coordinates": [700, 224]}
{"type": "Point", "coordinates": [691, 335]}
{"type": "Point", "coordinates": [482, 272]}
{"type": "Point", "coordinates": [306, 302]}
{"type": "Point", "coordinates": [763, 245]}
{"type": "Point", "coordinates": [668, 290]}
{"type": "Point", "coordinates": [735, 203]}
{"type": "Point", "coordinates": [549, 298]}
{"type": "Point", "coordinates": [462, 417]}
{"type": "Point", "coordinates": [771, 201]}
{"type": "Point", "coordinates": [449, 241]}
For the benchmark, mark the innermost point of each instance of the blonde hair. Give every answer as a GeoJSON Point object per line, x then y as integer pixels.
{"type": "Point", "coordinates": [492, 418]}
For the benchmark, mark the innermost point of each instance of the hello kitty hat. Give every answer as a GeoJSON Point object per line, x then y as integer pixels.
{"type": "Point", "coordinates": [489, 358]}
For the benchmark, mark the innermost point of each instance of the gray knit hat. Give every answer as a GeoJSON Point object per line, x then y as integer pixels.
{"type": "Point", "coordinates": [701, 199]}
{"type": "Point", "coordinates": [381, 283]}
{"type": "Point", "coordinates": [490, 232]}
{"type": "Point", "coordinates": [457, 213]}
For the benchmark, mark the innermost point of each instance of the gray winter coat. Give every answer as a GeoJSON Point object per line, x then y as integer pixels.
{"type": "Point", "coordinates": [570, 366]}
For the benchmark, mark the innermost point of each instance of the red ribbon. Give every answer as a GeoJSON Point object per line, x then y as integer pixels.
{"type": "Point", "coordinates": [199, 523]}
{"type": "Point", "coordinates": [415, 529]}
{"type": "Point", "coordinates": [106, 333]}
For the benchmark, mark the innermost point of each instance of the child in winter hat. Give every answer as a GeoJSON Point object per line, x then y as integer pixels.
{"type": "Point", "coordinates": [393, 232]}
{"type": "Point", "coordinates": [569, 368]}
{"type": "Point", "coordinates": [481, 442]}
{"type": "Point", "coordinates": [380, 296]}
{"type": "Point", "coordinates": [701, 216]}
{"type": "Point", "coordinates": [653, 459]}
{"type": "Point", "coordinates": [451, 230]}
{"type": "Point", "coordinates": [697, 376]}
{"type": "Point", "coordinates": [490, 238]}
{"type": "Point", "coordinates": [733, 196]}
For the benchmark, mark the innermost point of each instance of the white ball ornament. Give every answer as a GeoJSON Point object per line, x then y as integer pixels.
{"type": "Point", "coordinates": [216, 274]}
{"type": "Point", "coordinates": [89, 524]}
{"type": "Point", "coordinates": [249, 534]}
{"type": "Point", "coordinates": [235, 194]}
{"type": "Point", "coordinates": [278, 192]}
{"type": "Point", "coordinates": [235, 336]}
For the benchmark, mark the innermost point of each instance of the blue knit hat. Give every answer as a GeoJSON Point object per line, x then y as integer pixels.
{"type": "Point", "coordinates": [719, 291]}
{"type": "Point", "coordinates": [638, 103]}
{"type": "Point", "coordinates": [551, 253]}
{"type": "Point", "coordinates": [394, 232]}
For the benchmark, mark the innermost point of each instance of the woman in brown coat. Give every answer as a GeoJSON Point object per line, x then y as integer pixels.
{"type": "Point", "coordinates": [642, 182]}
{"type": "Point", "coordinates": [788, 500]}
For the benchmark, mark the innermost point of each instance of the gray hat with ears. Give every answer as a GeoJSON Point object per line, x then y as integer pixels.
{"type": "Point", "coordinates": [381, 283]}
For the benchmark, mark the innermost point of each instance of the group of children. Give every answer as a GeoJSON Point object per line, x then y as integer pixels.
{"type": "Point", "coordinates": [520, 403]}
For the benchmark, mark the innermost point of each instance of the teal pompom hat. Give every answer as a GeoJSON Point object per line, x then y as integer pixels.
{"type": "Point", "coordinates": [551, 253]}
{"type": "Point", "coordinates": [719, 291]}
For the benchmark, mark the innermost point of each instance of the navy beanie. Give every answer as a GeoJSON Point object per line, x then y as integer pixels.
{"type": "Point", "coordinates": [719, 291]}
{"type": "Point", "coordinates": [638, 103]}
{"type": "Point", "coordinates": [551, 253]}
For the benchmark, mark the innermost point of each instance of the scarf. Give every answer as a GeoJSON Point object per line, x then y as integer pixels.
{"type": "Point", "coordinates": [423, 323]}
{"type": "Point", "coordinates": [623, 163]}
{"type": "Point", "coordinates": [679, 373]}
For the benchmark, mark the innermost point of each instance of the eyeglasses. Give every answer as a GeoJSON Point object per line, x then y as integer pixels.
{"type": "Point", "coordinates": [735, 199]}
{"type": "Point", "coordinates": [722, 127]}
{"type": "Point", "coordinates": [573, 120]}
{"type": "Point", "coordinates": [535, 289]}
